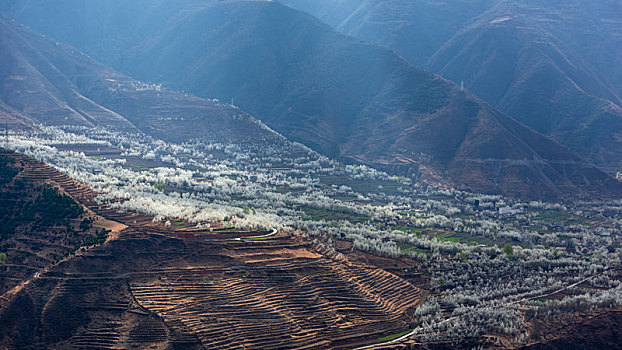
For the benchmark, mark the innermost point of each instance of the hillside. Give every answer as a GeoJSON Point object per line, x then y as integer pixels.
{"type": "Point", "coordinates": [42, 81]}
{"type": "Point", "coordinates": [343, 98]}
{"type": "Point", "coordinates": [413, 29]}
{"type": "Point", "coordinates": [147, 285]}
{"type": "Point", "coordinates": [552, 65]}
{"type": "Point", "coordinates": [33, 89]}
{"type": "Point", "coordinates": [41, 224]}
{"type": "Point", "coordinates": [338, 197]}
{"type": "Point", "coordinates": [270, 252]}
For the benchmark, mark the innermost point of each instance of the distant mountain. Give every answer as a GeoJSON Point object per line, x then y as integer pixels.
{"type": "Point", "coordinates": [554, 65]}
{"type": "Point", "coordinates": [42, 81]}
{"type": "Point", "coordinates": [413, 29]}
{"type": "Point", "coordinates": [344, 98]}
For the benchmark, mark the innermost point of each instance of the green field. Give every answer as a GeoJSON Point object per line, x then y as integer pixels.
{"type": "Point", "coordinates": [394, 336]}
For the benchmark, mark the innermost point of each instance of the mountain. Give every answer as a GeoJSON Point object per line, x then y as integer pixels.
{"type": "Point", "coordinates": [42, 81]}
{"type": "Point", "coordinates": [342, 97]}
{"type": "Point", "coordinates": [555, 66]}
{"type": "Point", "coordinates": [33, 89]}
{"type": "Point", "coordinates": [413, 29]}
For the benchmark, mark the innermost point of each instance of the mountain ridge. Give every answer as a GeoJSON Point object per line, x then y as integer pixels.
{"type": "Point", "coordinates": [367, 104]}
{"type": "Point", "coordinates": [553, 66]}
{"type": "Point", "coordinates": [83, 92]}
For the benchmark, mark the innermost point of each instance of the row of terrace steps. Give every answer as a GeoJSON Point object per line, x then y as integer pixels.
{"type": "Point", "coordinates": [79, 287]}
{"type": "Point", "coordinates": [90, 294]}
{"type": "Point", "coordinates": [41, 172]}
{"type": "Point", "coordinates": [391, 291]}
{"type": "Point", "coordinates": [149, 330]}
{"type": "Point", "coordinates": [103, 336]}
{"type": "Point", "coordinates": [181, 337]}
{"type": "Point", "coordinates": [275, 308]}
{"type": "Point", "coordinates": [36, 171]}
{"type": "Point", "coordinates": [396, 293]}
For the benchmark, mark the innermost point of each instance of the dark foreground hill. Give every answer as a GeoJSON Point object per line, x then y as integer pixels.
{"type": "Point", "coordinates": [556, 66]}
{"type": "Point", "coordinates": [342, 97]}
{"type": "Point", "coordinates": [40, 223]}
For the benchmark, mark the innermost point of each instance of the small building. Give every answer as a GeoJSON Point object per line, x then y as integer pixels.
{"type": "Point", "coordinates": [509, 211]}
{"type": "Point", "coordinates": [605, 233]}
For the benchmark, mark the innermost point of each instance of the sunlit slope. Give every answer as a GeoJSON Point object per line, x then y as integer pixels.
{"type": "Point", "coordinates": [146, 286]}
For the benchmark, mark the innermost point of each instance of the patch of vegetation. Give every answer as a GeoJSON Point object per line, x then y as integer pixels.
{"type": "Point", "coordinates": [86, 224]}
{"type": "Point", "coordinates": [406, 248]}
{"type": "Point", "coordinates": [462, 238]}
{"type": "Point", "coordinates": [7, 228]}
{"type": "Point", "coordinates": [258, 238]}
{"type": "Point", "coordinates": [177, 225]}
{"type": "Point", "coordinates": [543, 299]}
{"type": "Point", "coordinates": [52, 208]}
{"type": "Point", "coordinates": [402, 228]}
{"type": "Point", "coordinates": [363, 186]}
{"type": "Point", "coordinates": [287, 189]}
{"type": "Point", "coordinates": [448, 237]}
{"type": "Point", "coordinates": [558, 217]}
{"type": "Point", "coordinates": [394, 336]}
{"type": "Point", "coordinates": [344, 198]}
{"type": "Point", "coordinates": [226, 230]}
{"type": "Point", "coordinates": [99, 238]}
{"type": "Point", "coordinates": [17, 206]}
{"type": "Point", "coordinates": [7, 170]}
{"type": "Point", "coordinates": [508, 250]}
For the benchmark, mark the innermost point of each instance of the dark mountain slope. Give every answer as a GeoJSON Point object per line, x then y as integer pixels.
{"type": "Point", "coordinates": [553, 65]}
{"type": "Point", "coordinates": [31, 86]}
{"type": "Point", "coordinates": [341, 97]}
{"type": "Point", "coordinates": [40, 223]}
{"type": "Point", "coordinates": [413, 29]}
{"type": "Point", "coordinates": [47, 82]}
{"type": "Point", "coordinates": [525, 60]}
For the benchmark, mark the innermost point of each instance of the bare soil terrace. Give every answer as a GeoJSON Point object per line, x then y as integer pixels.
{"type": "Point", "coordinates": [154, 286]}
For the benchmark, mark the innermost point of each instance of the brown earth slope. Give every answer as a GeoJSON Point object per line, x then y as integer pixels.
{"type": "Point", "coordinates": [148, 287]}
{"type": "Point", "coordinates": [40, 224]}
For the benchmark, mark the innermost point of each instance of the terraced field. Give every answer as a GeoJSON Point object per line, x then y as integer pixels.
{"type": "Point", "coordinates": [39, 223]}
{"type": "Point", "coordinates": [290, 301]}
{"type": "Point", "coordinates": [150, 287]}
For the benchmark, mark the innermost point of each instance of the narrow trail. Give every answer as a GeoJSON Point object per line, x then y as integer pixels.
{"type": "Point", "coordinates": [188, 269]}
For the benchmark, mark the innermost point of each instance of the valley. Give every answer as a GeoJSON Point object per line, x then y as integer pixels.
{"type": "Point", "coordinates": [206, 174]}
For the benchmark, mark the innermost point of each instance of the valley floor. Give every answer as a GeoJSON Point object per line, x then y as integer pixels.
{"type": "Point", "coordinates": [269, 245]}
